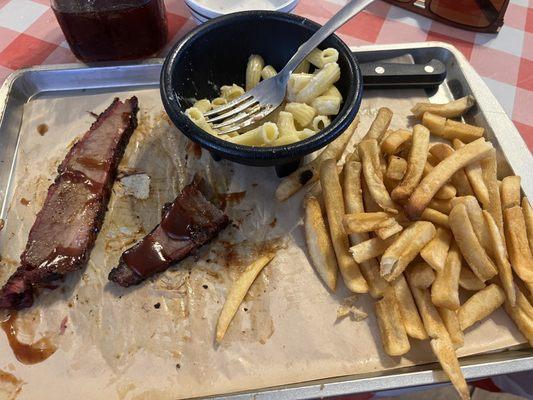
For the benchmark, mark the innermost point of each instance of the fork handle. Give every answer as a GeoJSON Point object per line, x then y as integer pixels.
{"type": "Point", "coordinates": [351, 9]}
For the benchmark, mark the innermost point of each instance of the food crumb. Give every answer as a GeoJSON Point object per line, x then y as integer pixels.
{"type": "Point", "coordinates": [348, 308]}
{"type": "Point", "coordinates": [63, 326]}
{"type": "Point", "coordinates": [42, 129]}
{"type": "Point", "coordinates": [205, 286]}
{"type": "Point", "coordinates": [178, 366]}
{"type": "Point", "coordinates": [245, 309]}
{"type": "Point", "coordinates": [273, 223]}
{"type": "Point", "coordinates": [157, 305]}
{"type": "Point", "coordinates": [2, 223]}
{"type": "Point", "coordinates": [24, 201]}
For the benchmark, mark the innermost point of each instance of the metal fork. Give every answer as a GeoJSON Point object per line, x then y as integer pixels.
{"type": "Point", "coordinates": [257, 103]}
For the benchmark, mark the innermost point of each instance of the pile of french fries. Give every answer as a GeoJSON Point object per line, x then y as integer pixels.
{"type": "Point", "coordinates": [411, 222]}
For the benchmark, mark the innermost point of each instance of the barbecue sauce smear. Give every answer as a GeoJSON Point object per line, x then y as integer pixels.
{"type": "Point", "coordinates": [27, 353]}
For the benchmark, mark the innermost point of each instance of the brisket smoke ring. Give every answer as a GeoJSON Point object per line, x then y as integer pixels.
{"type": "Point", "coordinates": [65, 229]}
{"type": "Point", "coordinates": [189, 222]}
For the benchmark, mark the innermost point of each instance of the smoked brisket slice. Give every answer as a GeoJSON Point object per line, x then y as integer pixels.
{"type": "Point", "coordinates": [65, 229]}
{"type": "Point", "coordinates": [188, 223]}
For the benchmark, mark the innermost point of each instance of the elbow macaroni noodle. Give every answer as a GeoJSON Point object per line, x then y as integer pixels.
{"type": "Point", "coordinates": [312, 100]}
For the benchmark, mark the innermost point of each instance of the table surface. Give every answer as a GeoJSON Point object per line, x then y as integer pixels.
{"type": "Point", "coordinates": [30, 35]}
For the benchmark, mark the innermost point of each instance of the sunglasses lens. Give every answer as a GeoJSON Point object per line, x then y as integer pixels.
{"type": "Point", "coordinates": [475, 13]}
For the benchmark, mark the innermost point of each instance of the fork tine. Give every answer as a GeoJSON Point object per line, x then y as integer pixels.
{"type": "Point", "coordinates": [253, 118]}
{"type": "Point", "coordinates": [233, 111]}
{"type": "Point", "coordinates": [231, 104]}
{"type": "Point", "coordinates": [239, 117]}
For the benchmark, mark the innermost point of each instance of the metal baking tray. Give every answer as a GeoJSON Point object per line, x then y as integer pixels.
{"type": "Point", "coordinates": [62, 80]}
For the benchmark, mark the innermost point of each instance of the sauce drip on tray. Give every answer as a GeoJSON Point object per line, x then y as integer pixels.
{"type": "Point", "coordinates": [27, 353]}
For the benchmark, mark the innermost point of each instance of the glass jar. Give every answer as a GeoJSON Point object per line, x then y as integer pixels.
{"type": "Point", "coordinates": [105, 30]}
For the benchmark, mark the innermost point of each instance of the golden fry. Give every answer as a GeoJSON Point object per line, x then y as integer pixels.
{"type": "Point", "coordinates": [510, 192]}
{"type": "Point", "coordinates": [366, 222]}
{"type": "Point", "coordinates": [396, 141]}
{"type": "Point", "coordinates": [469, 281]}
{"type": "Point", "coordinates": [450, 129]}
{"type": "Point", "coordinates": [410, 317]}
{"type": "Point", "coordinates": [480, 305]}
{"type": "Point", "coordinates": [451, 322]}
{"type": "Point", "coordinates": [446, 192]}
{"type": "Point", "coordinates": [415, 164]}
{"type": "Point", "coordinates": [475, 216]}
{"type": "Point", "coordinates": [422, 276]}
{"type": "Point", "coordinates": [528, 218]}
{"type": "Point", "coordinates": [517, 243]}
{"type": "Point", "coordinates": [523, 321]}
{"type": "Point", "coordinates": [459, 180]}
{"type": "Point", "coordinates": [308, 173]}
{"type": "Point", "coordinates": [353, 202]}
{"type": "Point", "coordinates": [445, 289]}
{"type": "Point", "coordinates": [453, 109]}
{"type": "Point", "coordinates": [319, 243]}
{"type": "Point", "coordinates": [391, 328]}
{"type": "Point", "coordinates": [436, 251]}
{"type": "Point", "coordinates": [468, 243]}
{"type": "Point", "coordinates": [405, 248]}
{"type": "Point", "coordinates": [494, 206]}
{"type": "Point", "coordinates": [367, 150]}
{"type": "Point", "coordinates": [390, 230]}
{"type": "Point", "coordinates": [334, 201]}
{"type": "Point", "coordinates": [475, 177]}
{"type": "Point", "coordinates": [380, 124]}
{"type": "Point", "coordinates": [237, 293]}
{"type": "Point", "coordinates": [500, 258]}
{"type": "Point", "coordinates": [396, 168]}
{"type": "Point", "coordinates": [370, 248]}
{"type": "Point", "coordinates": [443, 349]}
{"type": "Point", "coordinates": [436, 217]}
{"type": "Point", "coordinates": [442, 172]}
{"type": "Point", "coordinates": [444, 206]}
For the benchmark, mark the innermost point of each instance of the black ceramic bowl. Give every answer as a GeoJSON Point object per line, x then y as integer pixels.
{"type": "Point", "coordinates": [216, 53]}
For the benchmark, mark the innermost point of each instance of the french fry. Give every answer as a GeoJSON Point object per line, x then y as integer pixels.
{"type": "Point", "coordinates": [237, 293]}
{"type": "Point", "coordinates": [366, 222]}
{"type": "Point", "coordinates": [459, 180]}
{"type": "Point", "coordinates": [446, 192]}
{"type": "Point", "coordinates": [396, 141]}
{"type": "Point", "coordinates": [494, 206]}
{"type": "Point", "coordinates": [436, 251]}
{"type": "Point", "coordinates": [370, 248]}
{"type": "Point", "coordinates": [466, 239]}
{"type": "Point", "coordinates": [523, 322]}
{"type": "Point", "coordinates": [422, 275]}
{"type": "Point", "coordinates": [510, 192]}
{"type": "Point", "coordinates": [415, 164]}
{"type": "Point", "coordinates": [517, 243]}
{"type": "Point", "coordinates": [367, 150]}
{"type": "Point", "coordinates": [528, 218]}
{"type": "Point", "coordinates": [380, 124]}
{"type": "Point", "coordinates": [469, 281]}
{"type": "Point", "coordinates": [450, 129]}
{"type": "Point", "coordinates": [453, 109]}
{"type": "Point", "coordinates": [390, 230]}
{"type": "Point", "coordinates": [475, 177]}
{"type": "Point", "coordinates": [410, 317]}
{"type": "Point", "coordinates": [436, 217]}
{"type": "Point", "coordinates": [368, 200]}
{"type": "Point", "coordinates": [308, 173]}
{"type": "Point", "coordinates": [396, 168]}
{"type": "Point", "coordinates": [475, 216]}
{"type": "Point", "coordinates": [442, 172]}
{"type": "Point", "coordinates": [444, 206]}
{"type": "Point", "coordinates": [451, 322]}
{"type": "Point", "coordinates": [391, 328]}
{"type": "Point", "coordinates": [319, 244]}
{"type": "Point", "coordinates": [353, 202]}
{"type": "Point", "coordinates": [480, 305]}
{"type": "Point", "coordinates": [445, 289]}
{"type": "Point", "coordinates": [500, 258]}
{"type": "Point", "coordinates": [334, 201]}
{"type": "Point", "coordinates": [443, 349]}
{"type": "Point", "coordinates": [405, 248]}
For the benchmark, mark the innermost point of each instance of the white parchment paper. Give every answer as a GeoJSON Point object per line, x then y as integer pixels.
{"type": "Point", "coordinates": [156, 341]}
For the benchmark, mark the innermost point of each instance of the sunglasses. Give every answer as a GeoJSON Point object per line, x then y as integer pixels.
{"type": "Point", "coordinates": [474, 15]}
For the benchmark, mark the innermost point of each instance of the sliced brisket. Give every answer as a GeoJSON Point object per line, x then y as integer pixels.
{"type": "Point", "coordinates": [65, 229]}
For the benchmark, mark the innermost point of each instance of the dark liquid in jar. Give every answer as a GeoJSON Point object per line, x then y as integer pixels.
{"type": "Point", "coordinates": [115, 32]}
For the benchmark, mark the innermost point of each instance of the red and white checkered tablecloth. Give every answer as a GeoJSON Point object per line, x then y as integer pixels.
{"type": "Point", "coordinates": [30, 35]}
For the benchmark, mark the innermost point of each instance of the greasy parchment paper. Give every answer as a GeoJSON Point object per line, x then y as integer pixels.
{"type": "Point", "coordinates": [156, 341]}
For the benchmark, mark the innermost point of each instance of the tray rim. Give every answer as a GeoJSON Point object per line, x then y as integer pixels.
{"type": "Point", "coordinates": [425, 374]}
